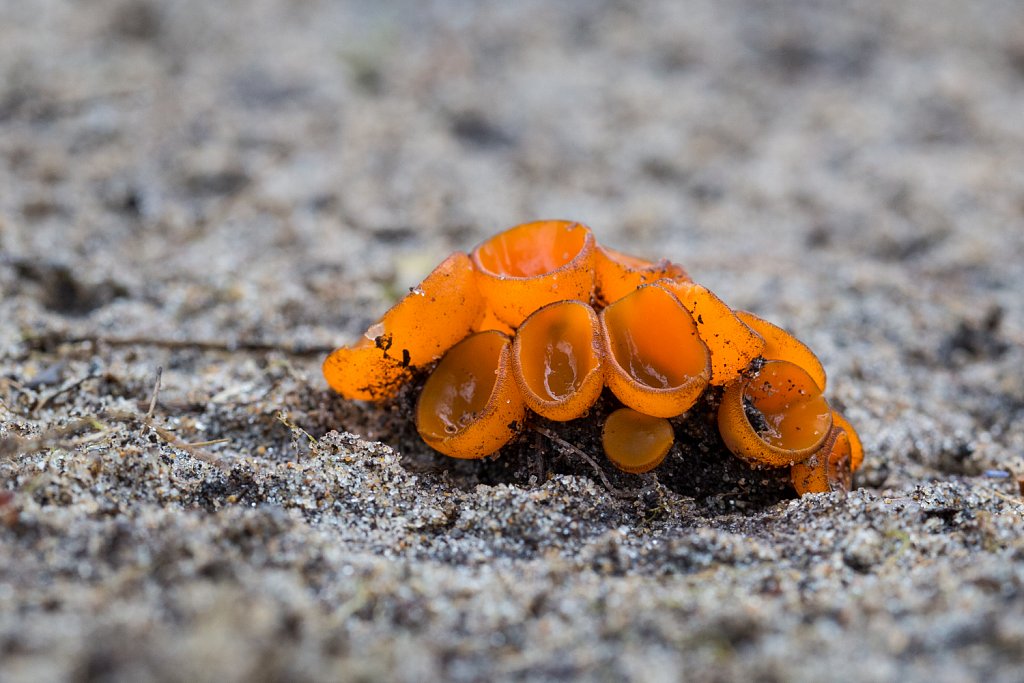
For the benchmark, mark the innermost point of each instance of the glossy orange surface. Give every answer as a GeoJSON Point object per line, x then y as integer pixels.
{"type": "Point", "coordinates": [657, 363]}
{"type": "Point", "coordinates": [856, 448]}
{"type": "Point", "coordinates": [365, 372]}
{"type": "Point", "coordinates": [732, 343]}
{"type": "Point", "coordinates": [618, 274]}
{"type": "Point", "coordinates": [416, 331]}
{"type": "Point", "coordinates": [532, 265]}
{"type": "Point", "coordinates": [470, 405]}
{"type": "Point", "coordinates": [635, 442]}
{"type": "Point", "coordinates": [781, 345]}
{"type": "Point", "coordinates": [558, 360]}
{"type": "Point", "coordinates": [489, 321]}
{"type": "Point", "coordinates": [791, 417]}
{"type": "Point", "coordinates": [828, 469]}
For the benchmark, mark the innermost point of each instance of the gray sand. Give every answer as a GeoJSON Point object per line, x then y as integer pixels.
{"type": "Point", "coordinates": [224, 189]}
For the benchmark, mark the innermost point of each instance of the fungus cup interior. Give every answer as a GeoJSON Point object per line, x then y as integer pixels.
{"type": "Point", "coordinates": [776, 418]}
{"type": "Point", "coordinates": [557, 361]}
{"type": "Point", "coordinates": [635, 442]}
{"type": "Point", "coordinates": [796, 415]}
{"type": "Point", "coordinates": [532, 249]}
{"type": "Point", "coordinates": [653, 348]}
{"type": "Point", "coordinates": [617, 274]}
{"type": "Point", "coordinates": [469, 403]}
{"type": "Point", "coordinates": [534, 264]}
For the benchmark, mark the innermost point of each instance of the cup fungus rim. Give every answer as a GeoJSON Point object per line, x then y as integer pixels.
{"type": "Point", "coordinates": [733, 404]}
{"type": "Point", "coordinates": [822, 464]}
{"type": "Point", "coordinates": [643, 266]}
{"type": "Point", "coordinates": [816, 371]}
{"type": "Point", "coordinates": [551, 407]}
{"type": "Point", "coordinates": [491, 405]}
{"type": "Point", "coordinates": [856, 445]}
{"type": "Point", "coordinates": [586, 249]}
{"type": "Point", "coordinates": [615, 366]}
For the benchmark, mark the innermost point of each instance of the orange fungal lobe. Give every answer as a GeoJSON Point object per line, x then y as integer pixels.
{"type": "Point", "coordinates": [437, 314]}
{"type": "Point", "coordinates": [781, 345]}
{"type": "Point", "coordinates": [776, 418]}
{"type": "Point", "coordinates": [732, 343]}
{"type": "Point", "coordinates": [856, 448]}
{"type": "Point", "coordinates": [535, 264]}
{"type": "Point", "coordinates": [636, 442]}
{"type": "Point", "coordinates": [416, 331]}
{"type": "Point", "coordinates": [489, 321]}
{"type": "Point", "coordinates": [828, 469]}
{"type": "Point", "coordinates": [656, 362]}
{"type": "Point", "coordinates": [617, 274]}
{"type": "Point", "coordinates": [364, 372]}
{"type": "Point", "coordinates": [558, 361]}
{"type": "Point", "coordinates": [470, 405]}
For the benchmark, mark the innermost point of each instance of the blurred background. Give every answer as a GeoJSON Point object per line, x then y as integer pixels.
{"type": "Point", "coordinates": [292, 163]}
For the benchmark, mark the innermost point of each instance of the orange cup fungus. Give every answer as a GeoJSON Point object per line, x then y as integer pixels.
{"type": "Point", "coordinates": [781, 345]}
{"type": "Point", "coordinates": [656, 362]}
{"type": "Point", "coordinates": [776, 417]}
{"type": "Point", "coordinates": [470, 406]}
{"type": "Point", "coordinates": [636, 442]}
{"type": "Point", "coordinates": [558, 362]}
{"type": "Point", "coordinates": [539, 319]}
{"type": "Point", "coordinates": [856, 448]}
{"type": "Point", "coordinates": [535, 264]}
{"type": "Point", "coordinates": [831, 468]}
{"type": "Point", "coordinates": [415, 332]}
{"type": "Point", "coordinates": [732, 342]}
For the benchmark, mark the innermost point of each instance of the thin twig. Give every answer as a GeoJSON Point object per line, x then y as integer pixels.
{"type": "Point", "coordinates": [291, 349]}
{"type": "Point", "coordinates": [576, 450]}
{"type": "Point", "coordinates": [296, 430]}
{"type": "Point", "coordinates": [41, 403]}
{"type": "Point", "coordinates": [156, 394]}
{"type": "Point", "coordinates": [13, 446]}
{"type": "Point", "coordinates": [1008, 499]}
{"type": "Point", "coordinates": [211, 442]}
{"type": "Point", "coordinates": [172, 439]}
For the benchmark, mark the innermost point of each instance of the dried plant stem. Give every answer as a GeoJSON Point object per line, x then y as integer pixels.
{"type": "Point", "coordinates": [156, 394]}
{"type": "Point", "coordinates": [205, 345]}
{"type": "Point", "coordinates": [579, 452]}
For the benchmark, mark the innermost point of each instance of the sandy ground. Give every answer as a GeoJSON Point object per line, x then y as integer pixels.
{"type": "Point", "coordinates": [226, 189]}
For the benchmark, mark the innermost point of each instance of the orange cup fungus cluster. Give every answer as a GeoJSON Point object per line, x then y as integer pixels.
{"type": "Point", "coordinates": [541, 318]}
